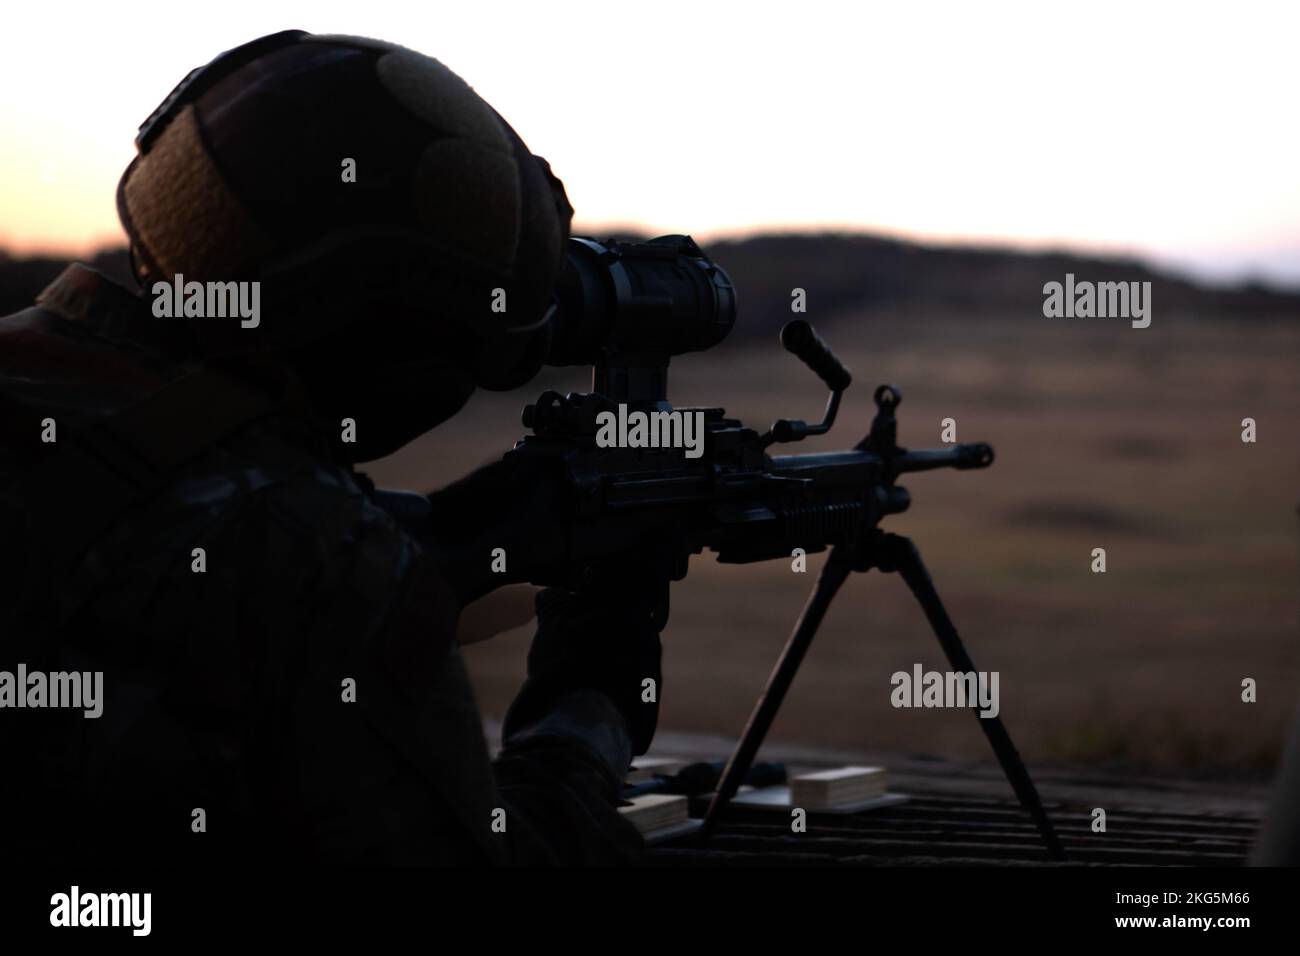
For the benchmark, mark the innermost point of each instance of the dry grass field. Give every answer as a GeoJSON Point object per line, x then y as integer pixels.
{"type": "Point", "coordinates": [1106, 436]}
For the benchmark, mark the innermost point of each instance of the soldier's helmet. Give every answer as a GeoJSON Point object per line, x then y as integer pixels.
{"type": "Point", "coordinates": [404, 238]}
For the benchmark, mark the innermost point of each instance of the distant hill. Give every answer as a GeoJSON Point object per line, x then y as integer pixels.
{"type": "Point", "coordinates": [860, 273]}
{"type": "Point", "coordinates": [875, 275]}
{"type": "Point", "coordinates": [22, 278]}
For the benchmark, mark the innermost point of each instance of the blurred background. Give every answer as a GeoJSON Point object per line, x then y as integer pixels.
{"type": "Point", "coordinates": [921, 173]}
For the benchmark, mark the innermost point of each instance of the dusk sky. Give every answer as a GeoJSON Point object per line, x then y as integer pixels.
{"type": "Point", "coordinates": [1163, 130]}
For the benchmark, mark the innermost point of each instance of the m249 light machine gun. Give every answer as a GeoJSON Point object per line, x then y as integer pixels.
{"type": "Point", "coordinates": [626, 309]}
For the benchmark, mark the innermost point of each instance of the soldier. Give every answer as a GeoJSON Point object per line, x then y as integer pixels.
{"type": "Point", "coordinates": [181, 511]}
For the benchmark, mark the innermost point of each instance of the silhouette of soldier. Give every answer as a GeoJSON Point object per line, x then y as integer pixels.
{"type": "Point", "coordinates": [181, 510]}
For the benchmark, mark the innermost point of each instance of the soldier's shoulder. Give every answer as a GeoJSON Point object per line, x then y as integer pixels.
{"type": "Point", "coordinates": [261, 481]}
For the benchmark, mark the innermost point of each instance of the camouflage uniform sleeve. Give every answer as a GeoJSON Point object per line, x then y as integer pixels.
{"type": "Point", "coordinates": [401, 774]}
{"type": "Point", "coordinates": [562, 778]}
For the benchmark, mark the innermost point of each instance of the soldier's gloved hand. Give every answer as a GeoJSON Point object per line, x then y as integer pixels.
{"type": "Point", "coordinates": [603, 639]}
{"type": "Point", "coordinates": [515, 505]}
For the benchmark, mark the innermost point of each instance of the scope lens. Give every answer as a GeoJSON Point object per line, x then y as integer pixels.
{"type": "Point", "coordinates": [639, 302]}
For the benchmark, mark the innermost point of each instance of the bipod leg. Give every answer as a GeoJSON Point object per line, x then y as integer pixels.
{"type": "Point", "coordinates": [833, 574]}
{"type": "Point", "coordinates": [896, 553]}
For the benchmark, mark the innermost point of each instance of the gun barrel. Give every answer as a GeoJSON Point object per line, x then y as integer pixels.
{"type": "Point", "coordinates": [860, 466]}
{"type": "Point", "coordinates": [974, 455]}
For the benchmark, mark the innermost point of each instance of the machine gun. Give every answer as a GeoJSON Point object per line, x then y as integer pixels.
{"type": "Point", "coordinates": [625, 309]}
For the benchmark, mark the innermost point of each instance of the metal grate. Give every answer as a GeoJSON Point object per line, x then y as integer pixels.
{"type": "Point", "coordinates": [946, 830]}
